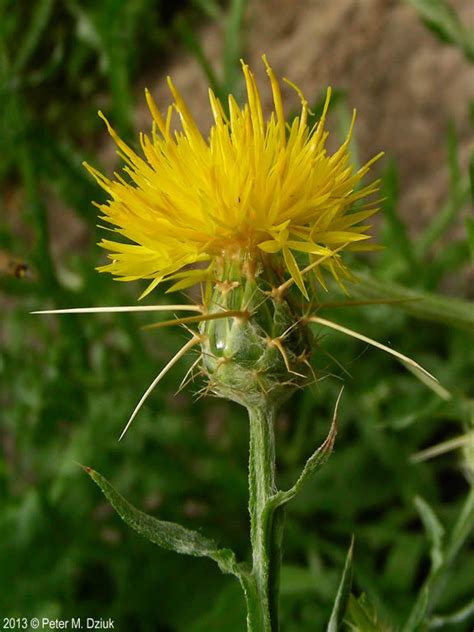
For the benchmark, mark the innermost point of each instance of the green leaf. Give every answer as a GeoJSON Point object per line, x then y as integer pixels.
{"type": "Point", "coordinates": [452, 144]}
{"type": "Point", "coordinates": [167, 535]}
{"type": "Point", "coordinates": [362, 616]}
{"type": "Point", "coordinates": [463, 527]}
{"type": "Point", "coordinates": [434, 530]}
{"type": "Point", "coordinates": [313, 464]}
{"type": "Point", "coordinates": [233, 45]}
{"type": "Point", "coordinates": [424, 305]}
{"type": "Point", "coordinates": [463, 615]}
{"type": "Point", "coordinates": [419, 611]}
{"type": "Point", "coordinates": [443, 219]}
{"type": "Point", "coordinates": [458, 198]}
{"type": "Point", "coordinates": [395, 230]}
{"type": "Point", "coordinates": [434, 584]}
{"type": "Point", "coordinates": [209, 8]}
{"type": "Point", "coordinates": [30, 40]}
{"type": "Point", "coordinates": [193, 44]}
{"type": "Point", "coordinates": [343, 594]}
{"type": "Point", "coordinates": [442, 19]}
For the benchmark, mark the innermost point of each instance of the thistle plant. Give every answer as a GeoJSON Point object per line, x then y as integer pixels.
{"type": "Point", "coordinates": [258, 217]}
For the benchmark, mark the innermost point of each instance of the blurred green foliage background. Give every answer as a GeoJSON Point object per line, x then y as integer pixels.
{"type": "Point", "coordinates": [68, 384]}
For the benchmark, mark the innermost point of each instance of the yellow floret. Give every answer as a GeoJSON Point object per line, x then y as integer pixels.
{"type": "Point", "coordinates": [254, 186]}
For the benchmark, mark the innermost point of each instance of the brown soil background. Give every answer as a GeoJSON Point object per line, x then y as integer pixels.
{"type": "Point", "coordinates": [405, 84]}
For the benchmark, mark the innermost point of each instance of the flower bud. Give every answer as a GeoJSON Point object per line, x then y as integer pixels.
{"type": "Point", "coordinates": [262, 353]}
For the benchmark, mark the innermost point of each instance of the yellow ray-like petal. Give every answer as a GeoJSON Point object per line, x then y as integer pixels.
{"type": "Point", "coordinates": [257, 188]}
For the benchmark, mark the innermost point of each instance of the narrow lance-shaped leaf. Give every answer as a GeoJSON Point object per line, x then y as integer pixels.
{"type": "Point", "coordinates": [395, 233]}
{"type": "Point", "coordinates": [462, 615]}
{"type": "Point", "coordinates": [314, 463]}
{"type": "Point", "coordinates": [463, 527]}
{"type": "Point", "coordinates": [445, 446]}
{"type": "Point", "coordinates": [434, 530]}
{"type": "Point", "coordinates": [193, 45]}
{"type": "Point", "coordinates": [31, 36]}
{"type": "Point", "coordinates": [455, 204]}
{"type": "Point", "coordinates": [427, 306]}
{"type": "Point", "coordinates": [167, 535]}
{"type": "Point", "coordinates": [434, 584]}
{"type": "Point", "coordinates": [442, 19]}
{"type": "Point", "coordinates": [361, 616]}
{"type": "Point", "coordinates": [234, 34]}
{"type": "Point", "coordinates": [343, 594]}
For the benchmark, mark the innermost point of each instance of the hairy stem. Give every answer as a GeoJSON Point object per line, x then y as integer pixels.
{"type": "Point", "coordinates": [266, 521]}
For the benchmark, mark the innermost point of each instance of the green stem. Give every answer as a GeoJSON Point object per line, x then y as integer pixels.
{"type": "Point", "coordinates": [266, 521]}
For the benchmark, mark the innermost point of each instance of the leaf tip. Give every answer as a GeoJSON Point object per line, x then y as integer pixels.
{"type": "Point", "coordinates": [86, 468]}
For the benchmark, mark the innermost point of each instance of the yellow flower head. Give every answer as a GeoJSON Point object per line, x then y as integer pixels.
{"type": "Point", "coordinates": [255, 189]}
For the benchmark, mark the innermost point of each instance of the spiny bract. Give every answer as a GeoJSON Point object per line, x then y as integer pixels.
{"type": "Point", "coordinates": [263, 204]}
{"type": "Point", "coordinates": [262, 353]}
